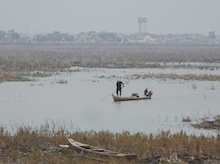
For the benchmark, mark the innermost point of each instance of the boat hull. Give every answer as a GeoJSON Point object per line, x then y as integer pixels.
{"type": "Point", "coordinates": [130, 98]}
{"type": "Point", "coordinates": [102, 152]}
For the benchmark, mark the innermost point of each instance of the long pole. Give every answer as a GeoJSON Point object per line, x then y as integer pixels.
{"type": "Point", "coordinates": [107, 96]}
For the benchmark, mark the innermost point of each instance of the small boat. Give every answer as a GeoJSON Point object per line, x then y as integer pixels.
{"type": "Point", "coordinates": [102, 152]}
{"type": "Point", "coordinates": [132, 97]}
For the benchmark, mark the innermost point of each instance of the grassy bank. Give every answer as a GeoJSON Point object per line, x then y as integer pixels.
{"type": "Point", "coordinates": [29, 145]}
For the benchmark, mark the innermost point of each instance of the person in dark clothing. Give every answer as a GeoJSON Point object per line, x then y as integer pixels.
{"type": "Point", "coordinates": [146, 93]}
{"type": "Point", "coordinates": [119, 85]}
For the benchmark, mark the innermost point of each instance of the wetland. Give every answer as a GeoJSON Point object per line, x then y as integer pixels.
{"type": "Point", "coordinates": [48, 90]}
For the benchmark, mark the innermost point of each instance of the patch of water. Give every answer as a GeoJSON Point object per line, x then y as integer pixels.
{"type": "Point", "coordinates": [84, 102]}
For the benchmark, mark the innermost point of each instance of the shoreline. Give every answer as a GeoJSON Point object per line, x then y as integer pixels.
{"type": "Point", "coordinates": [42, 145]}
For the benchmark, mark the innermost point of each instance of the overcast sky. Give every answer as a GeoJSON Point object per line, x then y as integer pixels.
{"type": "Point", "coordinates": [121, 16]}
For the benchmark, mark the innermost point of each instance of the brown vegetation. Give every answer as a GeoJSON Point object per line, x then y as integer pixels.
{"type": "Point", "coordinates": [58, 56]}
{"type": "Point", "coordinates": [176, 76]}
{"type": "Point", "coordinates": [52, 57]}
{"type": "Point", "coordinates": [10, 76]}
{"type": "Point", "coordinates": [34, 146]}
{"type": "Point", "coordinates": [206, 123]}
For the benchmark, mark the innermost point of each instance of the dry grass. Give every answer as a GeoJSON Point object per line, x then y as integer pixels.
{"type": "Point", "coordinates": [176, 76]}
{"type": "Point", "coordinates": [206, 123]}
{"type": "Point", "coordinates": [53, 57]}
{"type": "Point", "coordinates": [11, 76]}
{"type": "Point", "coordinates": [34, 146]}
{"type": "Point", "coordinates": [58, 56]}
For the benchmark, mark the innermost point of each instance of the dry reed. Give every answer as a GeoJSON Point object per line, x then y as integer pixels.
{"type": "Point", "coordinates": [33, 146]}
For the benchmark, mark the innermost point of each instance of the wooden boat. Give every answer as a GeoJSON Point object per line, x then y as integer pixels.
{"type": "Point", "coordinates": [102, 152]}
{"type": "Point", "coordinates": [132, 97]}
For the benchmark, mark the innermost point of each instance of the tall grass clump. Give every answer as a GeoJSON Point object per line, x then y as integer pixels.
{"type": "Point", "coordinates": [11, 76]}
{"type": "Point", "coordinates": [28, 145]}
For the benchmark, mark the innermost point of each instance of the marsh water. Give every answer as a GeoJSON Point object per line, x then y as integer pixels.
{"type": "Point", "coordinates": [81, 99]}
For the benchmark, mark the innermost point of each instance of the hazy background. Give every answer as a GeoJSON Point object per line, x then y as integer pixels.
{"type": "Point", "coordinates": [74, 16]}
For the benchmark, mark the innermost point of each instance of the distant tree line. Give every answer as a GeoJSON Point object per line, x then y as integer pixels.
{"type": "Point", "coordinates": [55, 37]}
{"type": "Point", "coordinates": [9, 36]}
{"type": "Point", "coordinates": [110, 37]}
{"type": "Point", "coordinates": [212, 35]}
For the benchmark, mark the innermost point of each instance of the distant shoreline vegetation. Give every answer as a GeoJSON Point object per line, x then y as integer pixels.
{"type": "Point", "coordinates": [12, 36]}
{"type": "Point", "coordinates": [22, 75]}
{"type": "Point", "coordinates": [16, 60]}
{"type": "Point", "coordinates": [7, 76]}
{"type": "Point", "coordinates": [46, 57]}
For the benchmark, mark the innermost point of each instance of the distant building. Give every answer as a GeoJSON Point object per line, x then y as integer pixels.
{"type": "Point", "coordinates": [90, 37]}
{"type": "Point", "coordinates": [150, 39]}
{"type": "Point", "coordinates": [143, 39]}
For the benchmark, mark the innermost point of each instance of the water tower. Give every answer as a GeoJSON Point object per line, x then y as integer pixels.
{"type": "Point", "coordinates": [142, 24]}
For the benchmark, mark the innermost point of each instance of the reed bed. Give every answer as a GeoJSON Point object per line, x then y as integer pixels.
{"type": "Point", "coordinates": [11, 76]}
{"type": "Point", "coordinates": [58, 56]}
{"type": "Point", "coordinates": [207, 123]}
{"type": "Point", "coordinates": [29, 145]}
{"type": "Point", "coordinates": [177, 76]}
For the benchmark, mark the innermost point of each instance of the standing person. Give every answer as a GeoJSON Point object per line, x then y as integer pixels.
{"type": "Point", "coordinates": [119, 85]}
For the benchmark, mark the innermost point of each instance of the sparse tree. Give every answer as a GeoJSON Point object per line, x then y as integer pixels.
{"type": "Point", "coordinates": [212, 35]}
{"type": "Point", "coordinates": [2, 35]}
{"type": "Point", "coordinates": [15, 36]}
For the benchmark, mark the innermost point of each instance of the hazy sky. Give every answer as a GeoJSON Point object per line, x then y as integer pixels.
{"type": "Point", "coordinates": [121, 16]}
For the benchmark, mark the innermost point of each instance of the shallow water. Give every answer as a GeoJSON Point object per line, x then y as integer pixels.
{"type": "Point", "coordinates": [85, 101]}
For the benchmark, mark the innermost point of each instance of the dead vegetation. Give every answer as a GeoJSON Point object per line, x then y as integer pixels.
{"type": "Point", "coordinates": [42, 146]}
{"type": "Point", "coordinates": [176, 76]}
{"type": "Point", "coordinates": [53, 57]}
{"type": "Point", "coordinates": [207, 123]}
{"type": "Point", "coordinates": [11, 76]}
{"type": "Point", "coordinates": [58, 56]}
